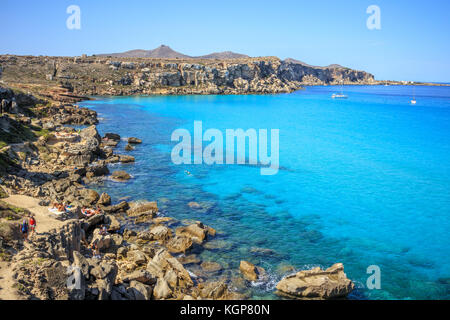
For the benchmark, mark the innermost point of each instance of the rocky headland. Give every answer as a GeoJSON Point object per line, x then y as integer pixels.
{"type": "Point", "coordinates": [44, 160]}
{"type": "Point", "coordinates": [71, 77]}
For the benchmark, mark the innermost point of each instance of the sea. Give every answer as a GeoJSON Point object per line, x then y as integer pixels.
{"type": "Point", "coordinates": [363, 181]}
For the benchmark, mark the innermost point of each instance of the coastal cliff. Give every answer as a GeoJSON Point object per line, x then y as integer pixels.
{"type": "Point", "coordinates": [83, 76]}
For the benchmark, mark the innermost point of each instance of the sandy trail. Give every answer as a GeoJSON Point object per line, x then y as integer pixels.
{"type": "Point", "coordinates": [7, 292]}
{"type": "Point", "coordinates": [45, 222]}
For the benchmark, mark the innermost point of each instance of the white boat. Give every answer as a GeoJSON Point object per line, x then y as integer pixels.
{"type": "Point", "coordinates": [414, 101]}
{"type": "Point", "coordinates": [341, 95]}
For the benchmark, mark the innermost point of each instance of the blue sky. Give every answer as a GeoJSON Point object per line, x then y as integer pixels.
{"type": "Point", "coordinates": [413, 43]}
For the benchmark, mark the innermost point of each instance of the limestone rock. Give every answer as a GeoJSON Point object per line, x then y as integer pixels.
{"type": "Point", "coordinates": [136, 257]}
{"type": "Point", "coordinates": [161, 232]}
{"type": "Point", "coordinates": [140, 290]}
{"type": "Point", "coordinates": [179, 244]}
{"type": "Point", "coordinates": [126, 159]}
{"type": "Point", "coordinates": [210, 266]}
{"type": "Point", "coordinates": [112, 136]}
{"type": "Point", "coordinates": [142, 276]}
{"type": "Point", "coordinates": [120, 176]}
{"type": "Point", "coordinates": [133, 140]}
{"type": "Point", "coordinates": [197, 232]}
{"type": "Point", "coordinates": [146, 208]}
{"type": "Point", "coordinates": [317, 283]}
{"type": "Point", "coordinates": [105, 199]}
{"type": "Point", "coordinates": [162, 290]}
{"type": "Point", "coordinates": [249, 271]}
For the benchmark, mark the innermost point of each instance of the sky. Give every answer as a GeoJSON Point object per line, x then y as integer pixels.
{"type": "Point", "coordinates": [413, 43]}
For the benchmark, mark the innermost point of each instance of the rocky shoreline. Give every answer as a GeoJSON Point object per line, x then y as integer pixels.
{"type": "Point", "coordinates": [44, 158]}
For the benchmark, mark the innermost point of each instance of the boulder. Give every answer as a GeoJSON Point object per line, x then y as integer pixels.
{"type": "Point", "coordinates": [162, 290]}
{"type": "Point", "coordinates": [249, 271]}
{"type": "Point", "coordinates": [89, 197]}
{"type": "Point", "coordinates": [210, 266]}
{"type": "Point", "coordinates": [103, 242]}
{"type": "Point", "coordinates": [121, 207]}
{"type": "Point", "coordinates": [161, 232]}
{"type": "Point", "coordinates": [146, 208]}
{"type": "Point", "coordinates": [197, 232]}
{"type": "Point", "coordinates": [120, 176]}
{"type": "Point", "coordinates": [103, 270]}
{"type": "Point", "coordinates": [113, 223]}
{"type": "Point", "coordinates": [133, 140]}
{"type": "Point", "coordinates": [90, 133]}
{"type": "Point", "coordinates": [140, 290]}
{"type": "Point", "coordinates": [82, 263]}
{"type": "Point", "coordinates": [317, 283]}
{"type": "Point", "coordinates": [142, 276]}
{"type": "Point", "coordinates": [112, 136]}
{"type": "Point", "coordinates": [155, 269]}
{"type": "Point", "coordinates": [214, 290]}
{"type": "Point", "coordinates": [136, 257]}
{"type": "Point", "coordinates": [98, 169]}
{"type": "Point", "coordinates": [94, 221]}
{"type": "Point", "coordinates": [105, 199]}
{"type": "Point", "coordinates": [190, 259]}
{"type": "Point", "coordinates": [179, 244]}
{"type": "Point", "coordinates": [126, 159]}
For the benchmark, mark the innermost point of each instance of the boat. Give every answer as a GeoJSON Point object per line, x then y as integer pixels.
{"type": "Point", "coordinates": [414, 101]}
{"type": "Point", "coordinates": [341, 95]}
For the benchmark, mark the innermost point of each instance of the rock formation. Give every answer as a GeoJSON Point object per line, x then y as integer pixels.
{"type": "Point", "coordinates": [317, 283]}
{"type": "Point", "coordinates": [72, 78]}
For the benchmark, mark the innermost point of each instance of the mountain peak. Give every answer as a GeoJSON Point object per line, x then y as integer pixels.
{"type": "Point", "coordinates": [166, 52]}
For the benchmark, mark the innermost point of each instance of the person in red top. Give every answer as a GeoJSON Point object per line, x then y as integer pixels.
{"type": "Point", "coordinates": [32, 225]}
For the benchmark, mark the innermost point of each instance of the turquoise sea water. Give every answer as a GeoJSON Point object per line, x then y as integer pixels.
{"type": "Point", "coordinates": [363, 181]}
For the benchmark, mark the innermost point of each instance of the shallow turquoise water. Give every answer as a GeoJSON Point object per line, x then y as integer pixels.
{"type": "Point", "coordinates": [363, 181]}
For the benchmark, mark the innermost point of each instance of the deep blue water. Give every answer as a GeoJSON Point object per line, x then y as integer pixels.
{"type": "Point", "coordinates": [363, 181]}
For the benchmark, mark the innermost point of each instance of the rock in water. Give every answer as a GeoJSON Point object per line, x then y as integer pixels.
{"type": "Point", "coordinates": [249, 271]}
{"type": "Point", "coordinates": [112, 136]}
{"type": "Point", "coordinates": [126, 159]}
{"type": "Point", "coordinates": [120, 176]}
{"type": "Point", "coordinates": [133, 140]}
{"type": "Point", "coordinates": [317, 283]}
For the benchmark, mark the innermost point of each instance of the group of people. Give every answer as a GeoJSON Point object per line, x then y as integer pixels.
{"type": "Point", "coordinates": [28, 226]}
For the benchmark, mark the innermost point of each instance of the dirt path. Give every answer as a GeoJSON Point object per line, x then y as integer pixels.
{"type": "Point", "coordinates": [7, 292]}
{"type": "Point", "coordinates": [45, 222]}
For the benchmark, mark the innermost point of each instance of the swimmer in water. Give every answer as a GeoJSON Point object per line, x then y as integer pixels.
{"type": "Point", "coordinates": [187, 172]}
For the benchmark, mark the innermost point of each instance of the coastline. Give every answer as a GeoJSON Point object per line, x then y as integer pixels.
{"type": "Point", "coordinates": [142, 265]}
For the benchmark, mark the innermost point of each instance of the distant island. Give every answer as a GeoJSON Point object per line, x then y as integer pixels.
{"type": "Point", "coordinates": [163, 71]}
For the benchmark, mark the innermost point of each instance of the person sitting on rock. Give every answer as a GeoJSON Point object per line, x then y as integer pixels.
{"type": "Point", "coordinates": [103, 231]}
{"type": "Point", "coordinates": [95, 250]}
{"type": "Point", "coordinates": [98, 211]}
